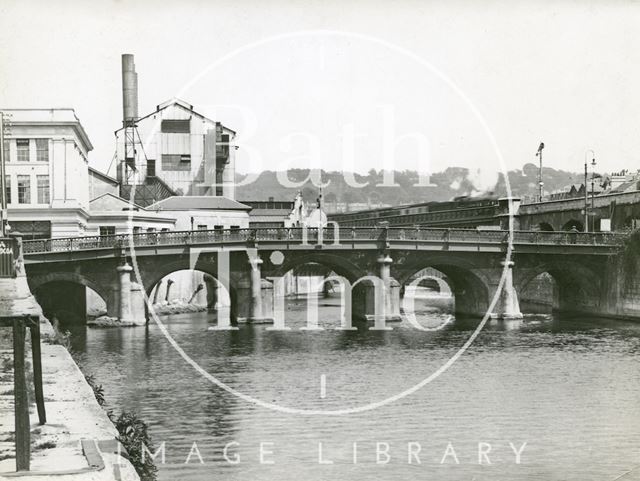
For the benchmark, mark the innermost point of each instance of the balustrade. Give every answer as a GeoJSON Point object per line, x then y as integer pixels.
{"type": "Point", "coordinates": [328, 235]}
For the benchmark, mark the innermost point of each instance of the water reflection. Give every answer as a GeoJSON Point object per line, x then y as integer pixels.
{"type": "Point", "coordinates": [569, 387]}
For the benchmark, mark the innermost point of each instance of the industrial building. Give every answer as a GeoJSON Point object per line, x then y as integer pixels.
{"type": "Point", "coordinates": [172, 151]}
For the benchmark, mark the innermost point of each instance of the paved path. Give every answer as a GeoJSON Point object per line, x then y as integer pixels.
{"type": "Point", "coordinates": [72, 415]}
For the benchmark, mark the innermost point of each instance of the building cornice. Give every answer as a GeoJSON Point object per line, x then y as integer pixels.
{"type": "Point", "coordinates": [47, 211]}
{"type": "Point", "coordinates": [76, 126]}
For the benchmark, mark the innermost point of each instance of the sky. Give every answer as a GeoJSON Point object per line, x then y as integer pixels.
{"type": "Point", "coordinates": [347, 85]}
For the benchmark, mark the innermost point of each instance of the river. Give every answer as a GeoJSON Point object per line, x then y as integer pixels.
{"type": "Point", "coordinates": [567, 387]}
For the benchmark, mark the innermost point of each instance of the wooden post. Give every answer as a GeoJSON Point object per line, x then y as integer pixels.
{"type": "Point", "coordinates": [23, 441]}
{"type": "Point", "coordinates": [37, 369]}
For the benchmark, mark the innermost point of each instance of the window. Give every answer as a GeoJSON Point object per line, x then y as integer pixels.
{"type": "Point", "coordinates": [222, 149]}
{"type": "Point", "coordinates": [176, 126]}
{"type": "Point", "coordinates": [137, 229]}
{"type": "Point", "coordinates": [43, 189]}
{"type": "Point", "coordinates": [38, 229]}
{"type": "Point", "coordinates": [175, 162]}
{"type": "Point", "coordinates": [6, 151]}
{"type": "Point", "coordinates": [218, 227]}
{"type": "Point", "coordinates": [107, 230]}
{"type": "Point", "coordinates": [235, 227]}
{"type": "Point", "coordinates": [151, 230]}
{"type": "Point", "coordinates": [151, 167]}
{"type": "Point", "coordinates": [42, 150]}
{"type": "Point", "coordinates": [22, 148]}
{"type": "Point", "coordinates": [24, 189]}
{"type": "Point", "coordinates": [164, 229]}
{"type": "Point", "coordinates": [202, 227]}
{"type": "Point", "coordinates": [8, 189]}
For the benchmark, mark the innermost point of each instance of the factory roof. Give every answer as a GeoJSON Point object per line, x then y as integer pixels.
{"type": "Point", "coordinates": [184, 105]}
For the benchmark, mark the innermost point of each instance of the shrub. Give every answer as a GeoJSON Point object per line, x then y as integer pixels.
{"type": "Point", "coordinates": [58, 337]}
{"type": "Point", "coordinates": [133, 435]}
{"type": "Point", "coordinates": [98, 390]}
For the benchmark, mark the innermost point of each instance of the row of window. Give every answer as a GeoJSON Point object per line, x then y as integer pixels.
{"type": "Point", "coordinates": [24, 189]}
{"type": "Point", "coordinates": [111, 229]}
{"type": "Point", "coordinates": [217, 227]}
{"type": "Point", "coordinates": [23, 150]}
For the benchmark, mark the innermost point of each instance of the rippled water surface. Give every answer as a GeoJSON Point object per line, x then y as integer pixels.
{"type": "Point", "coordinates": [568, 388]}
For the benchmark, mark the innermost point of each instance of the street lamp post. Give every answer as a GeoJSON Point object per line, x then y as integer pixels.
{"type": "Point", "coordinates": [586, 193]}
{"type": "Point", "coordinates": [540, 183]}
{"type": "Point", "coordinates": [593, 174]}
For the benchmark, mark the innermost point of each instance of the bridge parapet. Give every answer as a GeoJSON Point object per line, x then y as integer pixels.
{"type": "Point", "coordinates": [577, 203]}
{"type": "Point", "coordinates": [320, 236]}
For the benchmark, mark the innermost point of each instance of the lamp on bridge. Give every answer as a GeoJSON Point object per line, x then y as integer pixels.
{"type": "Point", "coordinates": [586, 194]}
{"type": "Point", "coordinates": [540, 183]}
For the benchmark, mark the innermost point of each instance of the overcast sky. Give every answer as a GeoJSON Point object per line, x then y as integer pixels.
{"type": "Point", "coordinates": [566, 73]}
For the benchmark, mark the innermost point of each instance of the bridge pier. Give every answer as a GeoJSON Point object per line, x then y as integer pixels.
{"type": "Point", "coordinates": [124, 298]}
{"type": "Point", "coordinates": [212, 291]}
{"type": "Point", "coordinates": [391, 289]}
{"type": "Point", "coordinates": [255, 296]}
{"type": "Point", "coordinates": [378, 301]}
{"type": "Point", "coordinates": [131, 308]}
{"type": "Point", "coordinates": [507, 306]}
{"type": "Point", "coordinates": [113, 301]}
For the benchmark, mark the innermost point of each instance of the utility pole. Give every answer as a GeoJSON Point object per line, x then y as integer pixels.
{"type": "Point", "coordinates": [540, 183]}
{"type": "Point", "coordinates": [3, 182]}
{"type": "Point", "coordinates": [586, 192]}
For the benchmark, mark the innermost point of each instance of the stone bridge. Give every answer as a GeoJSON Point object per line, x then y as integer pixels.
{"type": "Point", "coordinates": [561, 215]}
{"type": "Point", "coordinates": [376, 262]}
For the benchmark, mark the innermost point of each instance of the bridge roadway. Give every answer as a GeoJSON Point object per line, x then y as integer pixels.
{"type": "Point", "coordinates": [472, 261]}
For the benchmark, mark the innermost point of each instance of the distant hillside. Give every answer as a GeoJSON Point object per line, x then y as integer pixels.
{"type": "Point", "coordinates": [454, 181]}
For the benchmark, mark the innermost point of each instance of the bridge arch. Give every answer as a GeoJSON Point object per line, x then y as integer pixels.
{"type": "Point", "coordinates": [570, 224]}
{"type": "Point", "coordinates": [64, 294]}
{"type": "Point", "coordinates": [338, 264]}
{"type": "Point", "coordinates": [225, 294]}
{"type": "Point", "coordinates": [545, 227]}
{"type": "Point", "coordinates": [35, 282]}
{"type": "Point", "coordinates": [575, 286]}
{"type": "Point", "coordinates": [470, 287]}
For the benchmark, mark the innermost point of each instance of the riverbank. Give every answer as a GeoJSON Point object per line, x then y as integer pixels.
{"type": "Point", "coordinates": [78, 441]}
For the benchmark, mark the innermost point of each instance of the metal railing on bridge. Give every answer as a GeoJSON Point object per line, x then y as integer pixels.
{"type": "Point", "coordinates": [328, 235]}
